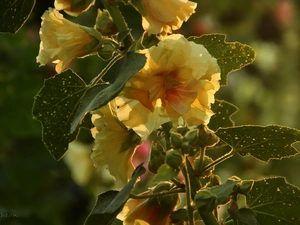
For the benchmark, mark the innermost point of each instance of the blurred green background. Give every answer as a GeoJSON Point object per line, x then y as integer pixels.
{"type": "Point", "coordinates": [36, 189]}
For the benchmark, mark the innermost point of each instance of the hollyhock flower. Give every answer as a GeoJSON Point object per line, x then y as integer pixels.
{"type": "Point", "coordinates": [177, 84]}
{"type": "Point", "coordinates": [62, 40]}
{"type": "Point", "coordinates": [153, 211]}
{"type": "Point", "coordinates": [110, 137]}
{"type": "Point", "coordinates": [72, 7]}
{"type": "Point", "coordinates": [165, 15]}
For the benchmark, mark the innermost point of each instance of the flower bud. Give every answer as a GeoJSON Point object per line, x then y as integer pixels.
{"type": "Point", "coordinates": [191, 136]}
{"type": "Point", "coordinates": [176, 140]}
{"type": "Point", "coordinates": [245, 187]}
{"type": "Point", "coordinates": [206, 137]}
{"type": "Point", "coordinates": [174, 158]}
{"type": "Point", "coordinates": [157, 158]}
{"type": "Point", "coordinates": [198, 168]}
{"type": "Point", "coordinates": [105, 24]}
{"type": "Point", "coordinates": [205, 201]}
{"type": "Point", "coordinates": [107, 51]}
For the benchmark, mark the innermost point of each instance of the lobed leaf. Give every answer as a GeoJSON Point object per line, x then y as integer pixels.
{"type": "Point", "coordinates": [222, 118]}
{"type": "Point", "coordinates": [275, 202]}
{"type": "Point", "coordinates": [55, 106]}
{"type": "Point", "coordinates": [262, 142]}
{"type": "Point", "coordinates": [231, 56]}
{"type": "Point", "coordinates": [110, 203]}
{"type": "Point", "coordinates": [121, 71]}
{"type": "Point", "coordinates": [13, 14]}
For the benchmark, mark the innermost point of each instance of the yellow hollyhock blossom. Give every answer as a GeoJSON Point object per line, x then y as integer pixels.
{"type": "Point", "coordinates": [177, 83]}
{"type": "Point", "coordinates": [109, 137]}
{"type": "Point", "coordinates": [72, 7]}
{"type": "Point", "coordinates": [152, 211]}
{"type": "Point", "coordinates": [165, 15]}
{"type": "Point", "coordinates": [62, 40]}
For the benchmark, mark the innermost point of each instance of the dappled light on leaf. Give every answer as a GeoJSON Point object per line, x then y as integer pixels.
{"type": "Point", "coordinates": [264, 143]}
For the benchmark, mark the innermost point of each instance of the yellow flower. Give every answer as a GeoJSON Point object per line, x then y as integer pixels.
{"type": "Point", "coordinates": [165, 15]}
{"type": "Point", "coordinates": [62, 40]}
{"type": "Point", "coordinates": [72, 7]}
{"type": "Point", "coordinates": [152, 211]}
{"type": "Point", "coordinates": [109, 137]}
{"type": "Point", "coordinates": [177, 83]}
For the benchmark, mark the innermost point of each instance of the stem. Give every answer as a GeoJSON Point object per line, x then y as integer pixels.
{"type": "Point", "coordinates": [201, 159]}
{"type": "Point", "coordinates": [217, 161]}
{"type": "Point", "coordinates": [156, 194]}
{"type": "Point", "coordinates": [209, 219]}
{"type": "Point", "coordinates": [177, 183]}
{"type": "Point", "coordinates": [188, 194]}
{"type": "Point", "coordinates": [98, 78]}
{"type": "Point", "coordinates": [117, 17]}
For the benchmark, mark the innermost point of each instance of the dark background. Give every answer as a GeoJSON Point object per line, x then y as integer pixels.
{"type": "Point", "coordinates": [36, 189]}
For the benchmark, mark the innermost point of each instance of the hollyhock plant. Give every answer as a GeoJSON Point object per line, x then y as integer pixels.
{"type": "Point", "coordinates": [63, 40]}
{"type": "Point", "coordinates": [164, 16]}
{"type": "Point", "coordinates": [177, 84]}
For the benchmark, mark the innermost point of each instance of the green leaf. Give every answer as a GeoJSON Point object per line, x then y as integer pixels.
{"type": "Point", "coordinates": [231, 56]}
{"type": "Point", "coordinates": [110, 203]}
{"type": "Point", "coordinates": [13, 14]}
{"type": "Point", "coordinates": [179, 215]}
{"type": "Point", "coordinates": [121, 71]}
{"type": "Point", "coordinates": [244, 215]}
{"type": "Point", "coordinates": [262, 142]}
{"type": "Point", "coordinates": [55, 106]}
{"type": "Point", "coordinates": [223, 111]}
{"type": "Point", "coordinates": [223, 191]}
{"type": "Point", "coordinates": [275, 202]}
{"type": "Point", "coordinates": [164, 173]}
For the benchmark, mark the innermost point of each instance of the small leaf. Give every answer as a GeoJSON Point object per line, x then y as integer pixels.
{"type": "Point", "coordinates": [231, 56]}
{"type": "Point", "coordinates": [275, 202]}
{"type": "Point", "coordinates": [110, 203]}
{"type": "Point", "coordinates": [222, 118]}
{"type": "Point", "coordinates": [121, 71]}
{"type": "Point", "coordinates": [264, 143]}
{"type": "Point", "coordinates": [13, 14]}
{"type": "Point", "coordinates": [164, 173]}
{"type": "Point", "coordinates": [55, 106]}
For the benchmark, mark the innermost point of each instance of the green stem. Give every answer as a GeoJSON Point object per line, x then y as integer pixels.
{"type": "Point", "coordinates": [188, 194]}
{"type": "Point", "coordinates": [201, 159]}
{"type": "Point", "coordinates": [209, 219]}
{"type": "Point", "coordinates": [99, 77]}
{"type": "Point", "coordinates": [157, 194]}
{"type": "Point", "coordinates": [217, 161]}
{"type": "Point", "coordinates": [177, 183]}
{"type": "Point", "coordinates": [117, 17]}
